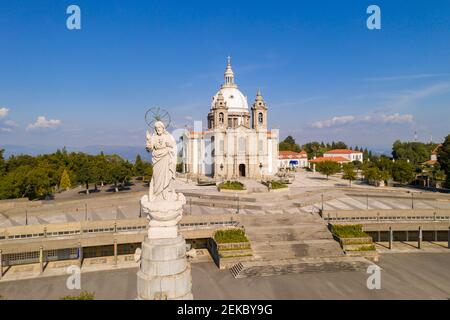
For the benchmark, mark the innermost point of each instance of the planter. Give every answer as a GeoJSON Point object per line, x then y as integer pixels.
{"type": "Point", "coordinates": [226, 255]}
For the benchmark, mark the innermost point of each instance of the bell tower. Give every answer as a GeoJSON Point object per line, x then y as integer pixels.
{"type": "Point", "coordinates": [259, 113]}
{"type": "Point", "coordinates": [218, 117]}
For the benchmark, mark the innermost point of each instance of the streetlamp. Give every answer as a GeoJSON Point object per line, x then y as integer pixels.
{"type": "Point", "coordinates": [260, 170]}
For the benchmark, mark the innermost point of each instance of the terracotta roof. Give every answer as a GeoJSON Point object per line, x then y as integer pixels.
{"type": "Point", "coordinates": [342, 151]}
{"type": "Point", "coordinates": [430, 162]}
{"type": "Point", "coordinates": [292, 155]}
{"type": "Point", "coordinates": [334, 159]}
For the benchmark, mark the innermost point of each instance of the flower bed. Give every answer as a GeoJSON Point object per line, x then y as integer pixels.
{"type": "Point", "coordinates": [231, 185]}
{"type": "Point", "coordinates": [275, 185]}
{"type": "Point", "coordinates": [229, 246]}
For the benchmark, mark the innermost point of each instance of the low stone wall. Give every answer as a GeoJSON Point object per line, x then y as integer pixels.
{"type": "Point", "coordinates": [358, 247]}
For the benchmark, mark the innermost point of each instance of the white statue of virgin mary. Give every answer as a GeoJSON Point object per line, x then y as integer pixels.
{"type": "Point", "coordinates": [163, 147]}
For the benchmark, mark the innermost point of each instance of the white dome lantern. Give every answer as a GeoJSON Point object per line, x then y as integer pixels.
{"type": "Point", "coordinates": [234, 98]}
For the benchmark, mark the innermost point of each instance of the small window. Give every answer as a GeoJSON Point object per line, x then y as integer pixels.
{"type": "Point", "coordinates": [260, 118]}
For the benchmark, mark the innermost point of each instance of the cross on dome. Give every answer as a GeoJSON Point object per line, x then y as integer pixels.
{"type": "Point", "coordinates": [229, 75]}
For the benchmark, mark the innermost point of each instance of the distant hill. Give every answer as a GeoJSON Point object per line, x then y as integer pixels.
{"type": "Point", "coordinates": [127, 152]}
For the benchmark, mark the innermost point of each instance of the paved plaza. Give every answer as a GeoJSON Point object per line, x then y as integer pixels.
{"type": "Point", "coordinates": [307, 187]}
{"type": "Point", "coordinates": [403, 276]}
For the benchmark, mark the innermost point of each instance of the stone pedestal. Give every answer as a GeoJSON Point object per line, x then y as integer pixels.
{"type": "Point", "coordinates": [165, 273]}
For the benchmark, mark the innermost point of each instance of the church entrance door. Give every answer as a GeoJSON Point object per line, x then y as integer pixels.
{"type": "Point", "coordinates": [242, 170]}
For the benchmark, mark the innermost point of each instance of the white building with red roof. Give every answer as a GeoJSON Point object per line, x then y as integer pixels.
{"type": "Point", "coordinates": [291, 159]}
{"type": "Point", "coordinates": [350, 155]}
{"type": "Point", "coordinates": [340, 156]}
{"type": "Point", "coordinates": [433, 158]}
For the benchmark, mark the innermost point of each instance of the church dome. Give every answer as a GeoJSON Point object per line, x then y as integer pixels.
{"type": "Point", "coordinates": [234, 98]}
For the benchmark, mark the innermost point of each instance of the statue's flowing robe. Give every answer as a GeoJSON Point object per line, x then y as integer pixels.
{"type": "Point", "coordinates": [164, 166]}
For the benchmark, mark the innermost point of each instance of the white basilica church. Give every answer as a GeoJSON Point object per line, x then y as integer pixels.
{"type": "Point", "coordinates": [237, 142]}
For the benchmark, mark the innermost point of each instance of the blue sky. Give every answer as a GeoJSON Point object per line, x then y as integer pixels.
{"type": "Point", "coordinates": [324, 75]}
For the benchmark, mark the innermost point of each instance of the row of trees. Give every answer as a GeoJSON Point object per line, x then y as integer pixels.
{"type": "Point", "coordinates": [39, 176]}
{"type": "Point", "coordinates": [383, 169]}
{"type": "Point", "coordinates": [317, 149]}
{"type": "Point", "coordinates": [407, 162]}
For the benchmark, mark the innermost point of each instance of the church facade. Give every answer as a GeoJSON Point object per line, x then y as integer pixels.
{"type": "Point", "coordinates": [236, 142]}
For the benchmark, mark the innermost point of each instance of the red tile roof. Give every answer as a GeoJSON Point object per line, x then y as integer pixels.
{"type": "Point", "coordinates": [334, 159]}
{"type": "Point", "coordinates": [342, 151]}
{"type": "Point", "coordinates": [430, 162]}
{"type": "Point", "coordinates": [292, 155]}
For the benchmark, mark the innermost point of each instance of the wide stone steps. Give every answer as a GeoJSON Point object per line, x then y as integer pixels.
{"type": "Point", "coordinates": [299, 265]}
{"type": "Point", "coordinates": [296, 249]}
{"type": "Point", "coordinates": [288, 233]}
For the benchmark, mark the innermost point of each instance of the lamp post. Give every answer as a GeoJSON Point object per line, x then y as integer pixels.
{"type": "Point", "coordinates": [221, 170]}
{"type": "Point", "coordinates": [260, 170]}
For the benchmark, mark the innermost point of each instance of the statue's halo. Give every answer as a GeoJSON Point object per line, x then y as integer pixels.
{"type": "Point", "coordinates": [157, 114]}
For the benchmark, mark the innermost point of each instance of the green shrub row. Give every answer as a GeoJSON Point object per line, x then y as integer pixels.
{"type": "Point", "coordinates": [275, 184]}
{"type": "Point", "coordinates": [230, 236]}
{"type": "Point", "coordinates": [349, 231]}
{"type": "Point", "coordinates": [231, 185]}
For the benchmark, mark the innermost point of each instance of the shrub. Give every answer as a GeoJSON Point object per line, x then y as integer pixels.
{"type": "Point", "coordinates": [231, 185]}
{"type": "Point", "coordinates": [275, 184]}
{"type": "Point", "coordinates": [82, 296]}
{"type": "Point", "coordinates": [230, 236]}
{"type": "Point", "coordinates": [349, 231]}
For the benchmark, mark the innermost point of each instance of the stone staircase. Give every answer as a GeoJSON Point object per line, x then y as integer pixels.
{"type": "Point", "coordinates": [300, 265]}
{"type": "Point", "coordinates": [292, 243]}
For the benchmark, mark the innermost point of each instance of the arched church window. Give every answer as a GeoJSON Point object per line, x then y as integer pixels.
{"type": "Point", "coordinates": [221, 117]}
{"type": "Point", "coordinates": [260, 118]}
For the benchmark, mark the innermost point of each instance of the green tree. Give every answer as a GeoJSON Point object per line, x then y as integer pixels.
{"type": "Point", "coordinates": [139, 168]}
{"type": "Point", "coordinates": [119, 171]}
{"type": "Point", "coordinates": [415, 152]}
{"type": "Point", "coordinates": [373, 174]}
{"type": "Point", "coordinates": [349, 172]}
{"type": "Point", "coordinates": [328, 168]}
{"type": "Point", "coordinates": [65, 183]}
{"type": "Point", "coordinates": [289, 144]}
{"type": "Point", "coordinates": [2, 163]}
{"type": "Point", "coordinates": [148, 172]}
{"type": "Point", "coordinates": [444, 159]}
{"type": "Point", "coordinates": [402, 171]}
{"type": "Point", "coordinates": [85, 170]}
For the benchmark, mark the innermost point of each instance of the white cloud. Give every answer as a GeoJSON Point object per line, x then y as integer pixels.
{"type": "Point", "coordinates": [7, 130]}
{"type": "Point", "coordinates": [407, 77]}
{"type": "Point", "coordinates": [10, 123]}
{"type": "Point", "coordinates": [382, 118]}
{"type": "Point", "coordinates": [397, 118]}
{"type": "Point", "coordinates": [410, 97]}
{"type": "Point", "coordinates": [43, 123]}
{"type": "Point", "coordinates": [3, 112]}
{"type": "Point", "coordinates": [335, 121]}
